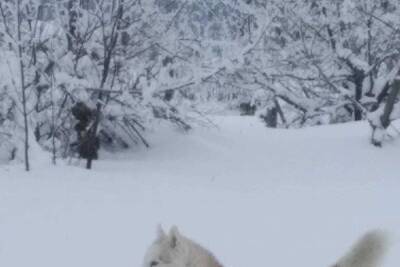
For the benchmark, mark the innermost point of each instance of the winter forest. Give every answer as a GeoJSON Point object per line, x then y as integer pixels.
{"type": "Point", "coordinates": [266, 130]}
{"type": "Point", "coordinates": [77, 75]}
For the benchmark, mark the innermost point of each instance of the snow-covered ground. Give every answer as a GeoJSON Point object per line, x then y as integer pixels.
{"type": "Point", "coordinates": [252, 195]}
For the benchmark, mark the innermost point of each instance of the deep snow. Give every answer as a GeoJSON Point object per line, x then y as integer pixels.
{"type": "Point", "coordinates": [252, 195]}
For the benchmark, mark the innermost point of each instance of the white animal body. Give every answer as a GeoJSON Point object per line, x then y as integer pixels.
{"type": "Point", "coordinates": [176, 250]}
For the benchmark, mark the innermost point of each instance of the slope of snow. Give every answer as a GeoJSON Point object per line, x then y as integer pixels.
{"type": "Point", "coordinates": [252, 195]}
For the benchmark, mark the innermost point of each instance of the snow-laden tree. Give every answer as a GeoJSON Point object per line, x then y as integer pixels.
{"type": "Point", "coordinates": [20, 49]}
{"type": "Point", "coordinates": [117, 59]}
{"type": "Point", "coordinates": [327, 61]}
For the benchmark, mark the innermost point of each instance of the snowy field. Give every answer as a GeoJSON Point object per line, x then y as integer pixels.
{"type": "Point", "coordinates": [252, 195]}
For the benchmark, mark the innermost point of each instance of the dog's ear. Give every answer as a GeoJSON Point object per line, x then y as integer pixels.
{"type": "Point", "coordinates": [160, 232]}
{"type": "Point", "coordinates": [174, 237]}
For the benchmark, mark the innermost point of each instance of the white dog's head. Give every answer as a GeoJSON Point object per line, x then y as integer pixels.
{"type": "Point", "coordinates": [167, 250]}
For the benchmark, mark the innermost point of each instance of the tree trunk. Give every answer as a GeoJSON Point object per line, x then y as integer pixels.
{"type": "Point", "coordinates": [358, 113]}
{"type": "Point", "coordinates": [92, 134]}
{"type": "Point", "coordinates": [108, 54]}
{"type": "Point", "coordinates": [71, 24]}
{"type": "Point", "coordinates": [23, 89]}
{"type": "Point", "coordinates": [378, 130]}
{"type": "Point", "coordinates": [385, 118]}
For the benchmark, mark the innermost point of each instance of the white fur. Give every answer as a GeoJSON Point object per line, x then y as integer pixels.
{"type": "Point", "coordinates": [176, 250]}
